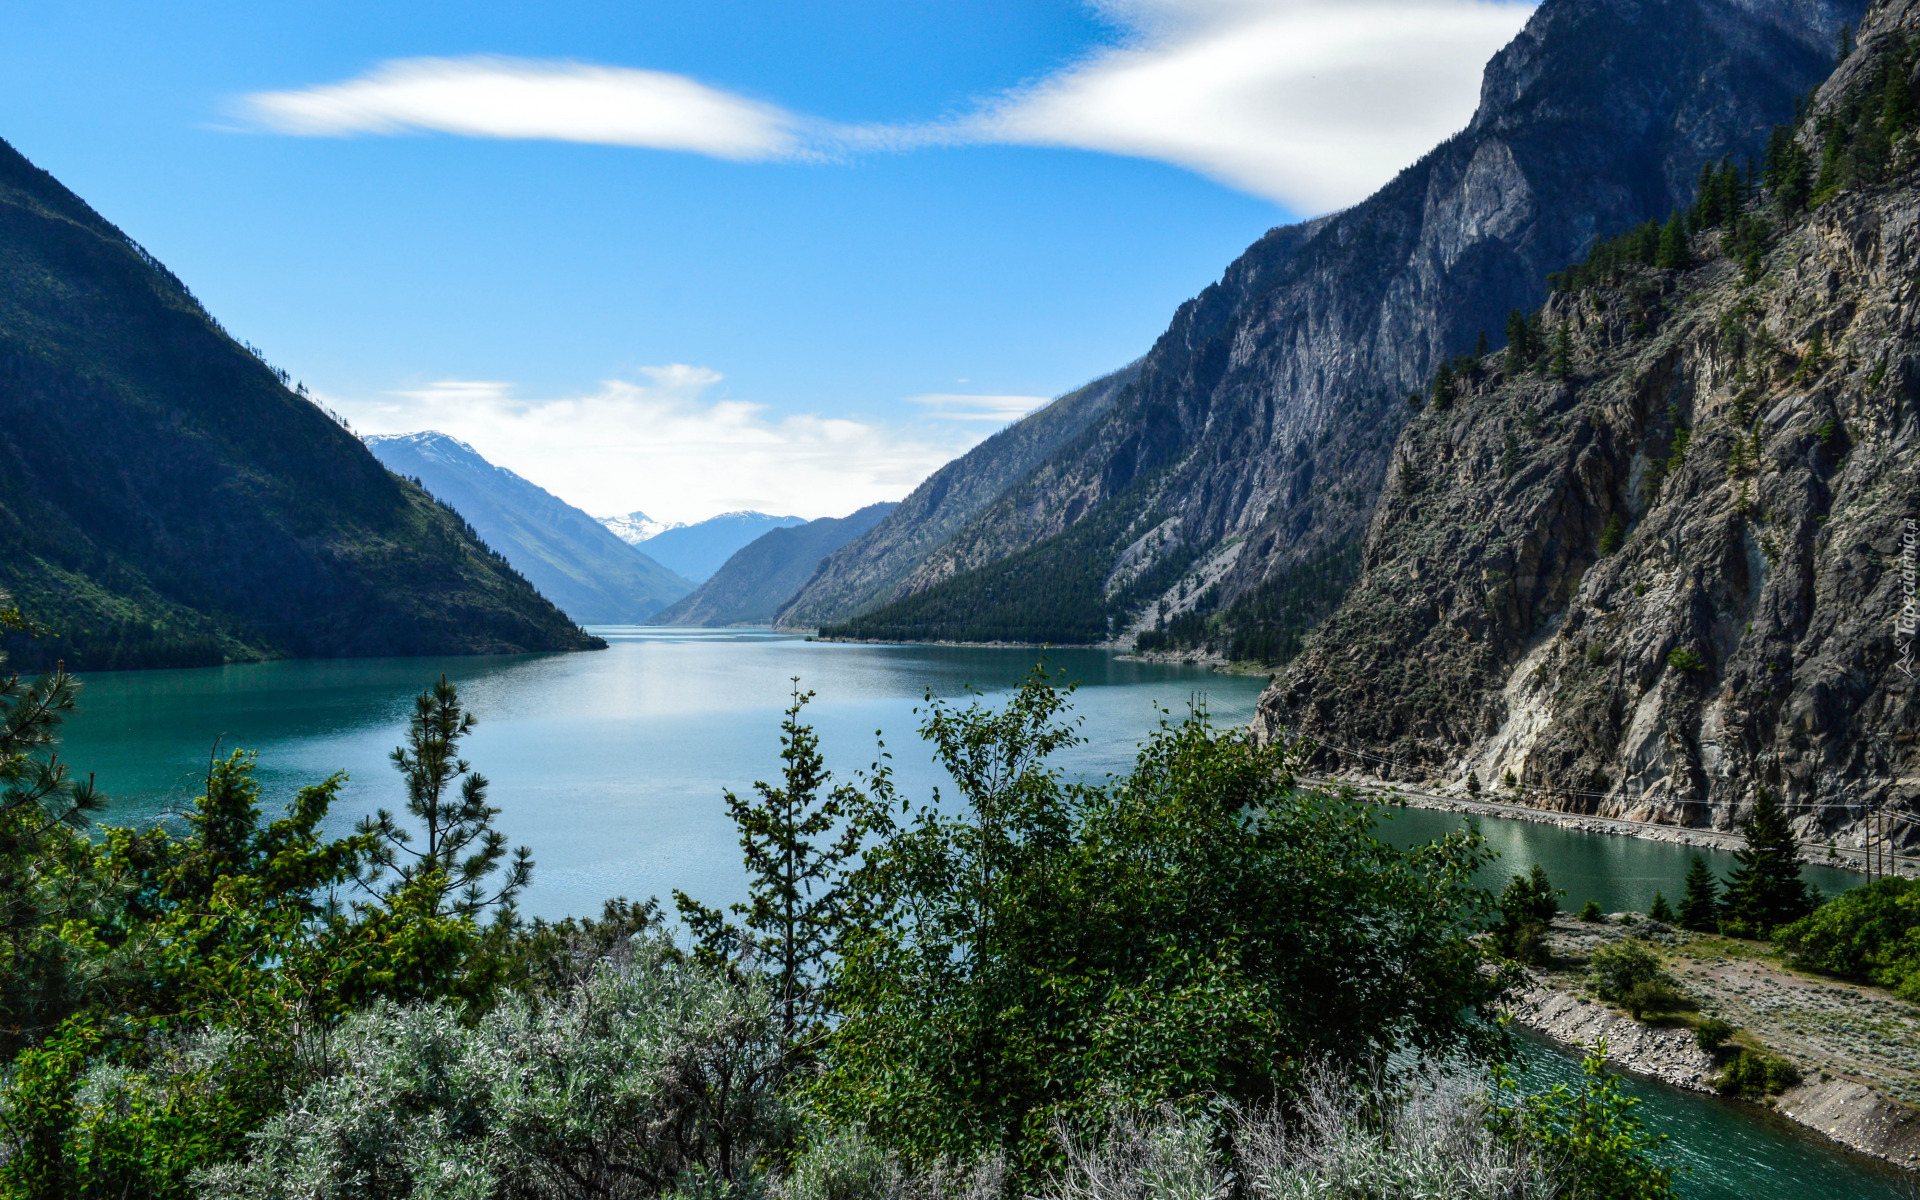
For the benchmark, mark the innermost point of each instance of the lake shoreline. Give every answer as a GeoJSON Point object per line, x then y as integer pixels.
{"type": "Point", "coordinates": [1843, 1093]}
{"type": "Point", "coordinates": [1385, 791]}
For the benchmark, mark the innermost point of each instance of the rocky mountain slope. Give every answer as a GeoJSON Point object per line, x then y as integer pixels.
{"type": "Point", "coordinates": [698, 550]}
{"type": "Point", "coordinates": [878, 568]}
{"type": "Point", "coordinates": [1667, 566]}
{"type": "Point", "coordinates": [593, 576]}
{"type": "Point", "coordinates": [769, 571]}
{"type": "Point", "coordinates": [167, 500]}
{"type": "Point", "coordinates": [1252, 446]}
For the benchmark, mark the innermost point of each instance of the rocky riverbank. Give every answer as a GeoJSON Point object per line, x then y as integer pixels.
{"type": "Point", "coordinates": [1857, 1048]}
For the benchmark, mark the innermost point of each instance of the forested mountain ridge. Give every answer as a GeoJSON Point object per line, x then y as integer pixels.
{"type": "Point", "coordinates": [881, 566]}
{"type": "Point", "coordinates": [1659, 565]}
{"type": "Point", "coordinates": [594, 576]}
{"type": "Point", "coordinates": [764, 574]}
{"type": "Point", "coordinates": [1248, 454]}
{"type": "Point", "coordinates": [166, 500]}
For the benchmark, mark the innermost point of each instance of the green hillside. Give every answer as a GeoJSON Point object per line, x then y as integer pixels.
{"type": "Point", "coordinates": [167, 500]}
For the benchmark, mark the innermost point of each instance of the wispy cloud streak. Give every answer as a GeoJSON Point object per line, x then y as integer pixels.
{"type": "Point", "coordinates": [1310, 103]}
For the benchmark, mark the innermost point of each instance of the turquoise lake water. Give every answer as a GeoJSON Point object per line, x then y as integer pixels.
{"type": "Point", "coordinates": [611, 766]}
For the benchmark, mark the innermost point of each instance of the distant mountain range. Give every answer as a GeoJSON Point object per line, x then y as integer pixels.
{"type": "Point", "coordinates": [766, 573]}
{"type": "Point", "coordinates": [167, 499]}
{"type": "Point", "coordinates": [697, 551]}
{"type": "Point", "coordinates": [595, 577]}
{"type": "Point", "coordinates": [636, 527]}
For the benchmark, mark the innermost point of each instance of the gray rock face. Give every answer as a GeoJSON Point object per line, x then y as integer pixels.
{"type": "Point", "coordinates": [1257, 435]}
{"type": "Point", "coordinates": [1755, 447]}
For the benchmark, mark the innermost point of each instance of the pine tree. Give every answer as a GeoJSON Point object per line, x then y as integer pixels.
{"type": "Point", "coordinates": [796, 877]}
{"type": "Point", "coordinates": [1673, 253]}
{"type": "Point", "coordinates": [1481, 347]}
{"type": "Point", "coordinates": [1700, 906]}
{"type": "Point", "coordinates": [1519, 347]}
{"type": "Point", "coordinates": [1660, 910]}
{"type": "Point", "coordinates": [1765, 890]}
{"type": "Point", "coordinates": [461, 848]}
{"type": "Point", "coordinates": [1563, 350]}
{"type": "Point", "coordinates": [1443, 387]}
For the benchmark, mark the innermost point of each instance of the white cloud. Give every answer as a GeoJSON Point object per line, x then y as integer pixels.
{"type": "Point", "coordinates": [516, 98]}
{"type": "Point", "coordinates": [662, 445]}
{"type": "Point", "coordinates": [1311, 103]}
{"type": "Point", "coordinates": [954, 406]}
{"type": "Point", "coordinates": [1314, 103]}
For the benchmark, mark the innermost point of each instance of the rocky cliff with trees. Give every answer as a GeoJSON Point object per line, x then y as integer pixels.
{"type": "Point", "coordinates": [1651, 560]}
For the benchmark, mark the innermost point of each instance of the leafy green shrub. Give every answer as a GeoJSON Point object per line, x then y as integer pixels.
{"type": "Point", "coordinates": [1681, 658]}
{"type": "Point", "coordinates": [1598, 1147]}
{"type": "Point", "coordinates": [1627, 973]}
{"type": "Point", "coordinates": [1755, 1073]}
{"type": "Point", "coordinates": [1870, 933]}
{"type": "Point", "coordinates": [1590, 912]}
{"type": "Point", "coordinates": [1712, 1033]}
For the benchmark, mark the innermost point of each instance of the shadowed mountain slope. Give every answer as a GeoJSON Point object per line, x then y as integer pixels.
{"type": "Point", "coordinates": [698, 550]}
{"type": "Point", "coordinates": [575, 561]}
{"type": "Point", "coordinates": [765, 573]}
{"type": "Point", "coordinates": [874, 569]}
{"type": "Point", "coordinates": [165, 500]}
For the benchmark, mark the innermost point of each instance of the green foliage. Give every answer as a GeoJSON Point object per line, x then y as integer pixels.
{"type": "Point", "coordinates": [1660, 910]}
{"type": "Point", "coordinates": [1202, 927]}
{"type": "Point", "coordinates": [1712, 1033]}
{"type": "Point", "coordinates": [1523, 343]}
{"type": "Point", "coordinates": [1562, 364]}
{"type": "Point", "coordinates": [1610, 261]}
{"type": "Point", "coordinates": [1859, 136]}
{"type": "Point", "coordinates": [459, 848]}
{"type": "Point", "coordinates": [1870, 933]}
{"type": "Point", "coordinates": [797, 878]}
{"type": "Point", "coordinates": [1600, 1149]}
{"type": "Point", "coordinates": [1628, 974]}
{"type": "Point", "coordinates": [1590, 912]}
{"type": "Point", "coordinates": [1613, 535]}
{"type": "Point", "coordinates": [1527, 908]}
{"type": "Point", "coordinates": [1673, 252]}
{"type": "Point", "coordinates": [1755, 1073]}
{"type": "Point", "coordinates": [1683, 658]}
{"type": "Point", "coordinates": [1765, 890]}
{"type": "Point", "coordinates": [654, 1074]}
{"type": "Point", "coordinates": [1700, 905]}
{"type": "Point", "coordinates": [1443, 387]}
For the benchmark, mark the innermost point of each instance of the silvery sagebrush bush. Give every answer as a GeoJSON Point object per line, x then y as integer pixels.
{"type": "Point", "coordinates": [654, 1075]}
{"type": "Point", "coordinates": [1428, 1141]}
{"type": "Point", "coordinates": [844, 1164]}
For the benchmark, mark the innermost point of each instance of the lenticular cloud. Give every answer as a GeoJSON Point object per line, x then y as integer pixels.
{"type": "Point", "coordinates": [1310, 103]}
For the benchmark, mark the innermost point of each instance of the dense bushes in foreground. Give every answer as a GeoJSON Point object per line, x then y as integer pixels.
{"type": "Point", "coordinates": [1037, 987]}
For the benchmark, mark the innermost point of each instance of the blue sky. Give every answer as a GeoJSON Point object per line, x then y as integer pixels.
{"type": "Point", "coordinates": [695, 256]}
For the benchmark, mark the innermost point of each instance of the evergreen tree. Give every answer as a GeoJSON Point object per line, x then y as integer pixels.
{"type": "Point", "coordinates": [1660, 910]}
{"type": "Point", "coordinates": [1673, 253]}
{"type": "Point", "coordinates": [1700, 906]}
{"type": "Point", "coordinates": [1443, 387]}
{"type": "Point", "coordinates": [1563, 350]}
{"type": "Point", "coordinates": [459, 847]}
{"type": "Point", "coordinates": [1481, 347]}
{"type": "Point", "coordinates": [1765, 890]}
{"type": "Point", "coordinates": [1519, 339]}
{"type": "Point", "coordinates": [797, 877]}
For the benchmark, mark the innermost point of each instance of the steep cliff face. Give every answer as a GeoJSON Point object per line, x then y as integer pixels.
{"type": "Point", "coordinates": [1676, 575]}
{"type": "Point", "coordinates": [1255, 440]}
{"type": "Point", "coordinates": [165, 500]}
